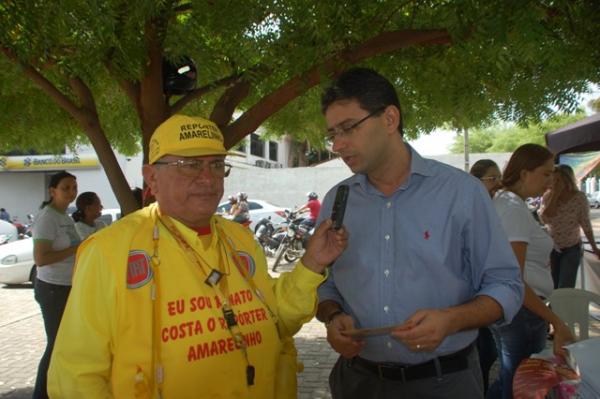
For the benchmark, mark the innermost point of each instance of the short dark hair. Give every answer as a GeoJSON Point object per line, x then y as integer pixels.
{"type": "Point", "coordinates": [480, 168]}
{"type": "Point", "coordinates": [368, 87]}
{"type": "Point", "coordinates": [526, 157]}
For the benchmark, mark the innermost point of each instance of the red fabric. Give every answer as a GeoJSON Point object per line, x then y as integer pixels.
{"type": "Point", "coordinates": [202, 231]}
{"type": "Point", "coordinates": [315, 207]}
{"type": "Point", "coordinates": [536, 378]}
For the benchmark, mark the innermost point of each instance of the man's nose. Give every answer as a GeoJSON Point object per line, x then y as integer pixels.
{"type": "Point", "coordinates": [338, 143]}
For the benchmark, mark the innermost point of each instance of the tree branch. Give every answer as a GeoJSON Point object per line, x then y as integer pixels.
{"type": "Point", "coordinates": [182, 8]}
{"type": "Point", "coordinates": [47, 87]}
{"type": "Point", "coordinates": [199, 92]}
{"type": "Point", "coordinates": [86, 101]}
{"type": "Point", "coordinates": [224, 108]}
{"type": "Point", "coordinates": [383, 43]}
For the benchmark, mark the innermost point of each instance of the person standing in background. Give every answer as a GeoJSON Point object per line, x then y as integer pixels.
{"type": "Point", "coordinates": [565, 210]}
{"type": "Point", "coordinates": [89, 209]}
{"type": "Point", "coordinates": [527, 174]}
{"type": "Point", "coordinates": [4, 215]}
{"type": "Point", "coordinates": [55, 242]}
{"type": "Point", "coordinates": [488, 172]}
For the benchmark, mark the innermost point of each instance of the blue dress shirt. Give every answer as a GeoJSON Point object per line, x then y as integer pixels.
{"type": "Point", "coordinates": [435, 242]}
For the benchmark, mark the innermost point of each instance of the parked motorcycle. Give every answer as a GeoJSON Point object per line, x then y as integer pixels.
{"type": "Point", "coordinates": [292, 240]}
{"type": "Point", "coordinates": [265, 234]}
{"type": "Point", "coordinates": [24, 230]}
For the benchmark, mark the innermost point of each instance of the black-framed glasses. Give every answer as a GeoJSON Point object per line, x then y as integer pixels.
{"type": "Point", "coordinates": [346, 130]}
{"type": "Point", "coordinates": [194, 167]}
{"type": "Point", "coordinates": [494, 179]}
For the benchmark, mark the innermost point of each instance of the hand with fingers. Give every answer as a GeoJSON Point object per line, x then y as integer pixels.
{"type": "Point", "coordinates": [346, 346]}
{"type": "Point", "coordinates": [424, 331]}
{"type": "Point", "coordinates": [562, 337]}
{"type": "Point", "coordinates": [325, 245]}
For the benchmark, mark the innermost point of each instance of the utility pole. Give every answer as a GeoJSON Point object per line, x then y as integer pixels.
{"type": "Point", "coordinates": [466, 137]}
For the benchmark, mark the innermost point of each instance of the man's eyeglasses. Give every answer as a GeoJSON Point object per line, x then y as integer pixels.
{"type": "Point", "coordinates": [194, 167]}
{"type": "Point", "coordinates": [494, 179]}
{"type": "Point", "coordinates": [346, 130]}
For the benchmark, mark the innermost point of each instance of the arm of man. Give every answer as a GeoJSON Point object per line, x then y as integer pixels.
{"type": "Point", "coordinates": [426, 329]}
{"type": "Point", "coordinates": [494, 277]}
{"type": "Point", "coordinates": [81, 360]}
{"type": "Point", "coordinates": [296, 291]}
{"type": "Point", "coordinates": [336, 321]}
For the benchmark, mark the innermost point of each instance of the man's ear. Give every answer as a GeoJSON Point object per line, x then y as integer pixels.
{"type": "Point", "coordinates": [149, 173]}
{"type": "Point", "coordinates": [392, 118]}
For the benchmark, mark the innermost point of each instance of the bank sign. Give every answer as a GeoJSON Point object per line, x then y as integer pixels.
{"type": "Point", "coordinates": [47, 162]}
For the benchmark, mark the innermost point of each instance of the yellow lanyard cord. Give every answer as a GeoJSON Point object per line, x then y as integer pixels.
{"type": "Point", "coordinates": [157, 368]}
{"type": "Point", "coordinates": [238, 264]}
{"type": "Point", "coordinates": [225, 247]}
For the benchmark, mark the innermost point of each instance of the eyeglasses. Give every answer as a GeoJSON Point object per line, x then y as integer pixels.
{"type": "Point", "coordinates": [494, 179]}
{"type": "Point", "coordinates": [347, 130]}
{"type": "Point", "coordinates": [194, 167]}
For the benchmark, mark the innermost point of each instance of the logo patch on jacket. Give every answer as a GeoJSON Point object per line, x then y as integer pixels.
{"type": "Point", "coordinates": [139, 272]}
{"type": "Point", "coordinates": [248, 263]}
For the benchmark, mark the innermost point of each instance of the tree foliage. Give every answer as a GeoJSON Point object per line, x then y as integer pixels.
{"type": "Point", "coordinates": [507, 137]}
{"type": "Point", "coordinates": [76, 70]}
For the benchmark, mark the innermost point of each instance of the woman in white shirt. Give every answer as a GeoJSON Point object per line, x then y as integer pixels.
{"type": "Point", "coordinates": [527, 174]}
{"type": "Point", "coordinates": [55, 242]}
{"type": "Point", "coordinates": [89, 209]}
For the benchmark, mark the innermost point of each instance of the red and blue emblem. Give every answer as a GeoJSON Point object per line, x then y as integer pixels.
{"type": "Point", "coordinates": [139, 272]}
{"type": "Point", "coordinates": [247, 262]}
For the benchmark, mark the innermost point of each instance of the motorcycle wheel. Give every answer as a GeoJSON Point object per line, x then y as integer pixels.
{"type": "Point", "coordinates": [281, 250]}
{"type": "Point", "coordinates": [289, 258]}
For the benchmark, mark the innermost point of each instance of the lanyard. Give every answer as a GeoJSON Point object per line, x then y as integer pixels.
{"type": "Point", "coordinates": [220, 286]}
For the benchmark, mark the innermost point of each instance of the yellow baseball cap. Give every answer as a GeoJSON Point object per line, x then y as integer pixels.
{"type": "Point", "coordinates": [186, 136]}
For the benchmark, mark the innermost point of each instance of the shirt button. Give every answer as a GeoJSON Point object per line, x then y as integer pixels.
{"type": "Point", "coordinates": [386, 272]}
{"type": "Point", "coordinates": [389, 344]}
{"type": "Point", "coordinates": [387, 236]}
{"type": "Point", "coordinates": [386, 308]}
{"type": "Point", "coordinates": [389, 204]}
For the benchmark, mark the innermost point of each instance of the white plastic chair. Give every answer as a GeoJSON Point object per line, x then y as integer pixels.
{"type": "Point", "coordinates": [572, 305]}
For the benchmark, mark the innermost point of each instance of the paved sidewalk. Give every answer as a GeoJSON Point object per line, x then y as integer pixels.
{"type": "Point", "coordinates": [22, 342]}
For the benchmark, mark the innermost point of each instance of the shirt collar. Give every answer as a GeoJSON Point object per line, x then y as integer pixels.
{"type": "Point", "coordinates": [418, 166]}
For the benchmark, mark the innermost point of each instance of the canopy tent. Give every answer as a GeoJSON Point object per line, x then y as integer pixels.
{"type": "Point", "coordinates": [577, 145]}
{"type": "Point", "coordinates": [581, 136]}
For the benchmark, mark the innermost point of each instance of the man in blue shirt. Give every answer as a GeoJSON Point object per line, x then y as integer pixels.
{"type": "Point", "coordinates": [426, 255]}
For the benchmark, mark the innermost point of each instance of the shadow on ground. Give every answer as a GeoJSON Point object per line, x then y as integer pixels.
{"type": "Point", "coordinates": [20, 393]}
{"type": "Point", "coordinates": [17, 286]}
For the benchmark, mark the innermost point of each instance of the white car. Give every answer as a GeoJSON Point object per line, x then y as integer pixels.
{"type": "Point", "coordinates": [594, 199]}
{"type": "Point", "coordinates": [16, 262]}
{"type": "Point", "coordinates": [8, 232]}
{"type": "Point", "coordinates": [16, 258]}
{"type": "Point", "coordinates": [258, 209]}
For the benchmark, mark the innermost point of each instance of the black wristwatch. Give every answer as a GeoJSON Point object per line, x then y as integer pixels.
{"type": "Point", "coordinates": [332, 316]}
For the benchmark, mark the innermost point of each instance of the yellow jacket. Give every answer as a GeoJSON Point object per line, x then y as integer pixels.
{"type": "Point", "coordinates": [104, 347]}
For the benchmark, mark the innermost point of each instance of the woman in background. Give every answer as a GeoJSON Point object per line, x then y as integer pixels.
{"type": "Point", "coordinates": [565, 210]}
{"type": "Point", "coordinates": [488, 172]}
{"type": "Point", "coordinates": [55, 242]}
{"type": "Point", "coordinates": [89, 209]}
{"type": "Point", "coordinates": [527, 174]}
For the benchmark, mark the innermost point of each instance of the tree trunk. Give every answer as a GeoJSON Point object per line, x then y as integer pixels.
{"type": "Point", "coordinates": [113, 171]}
